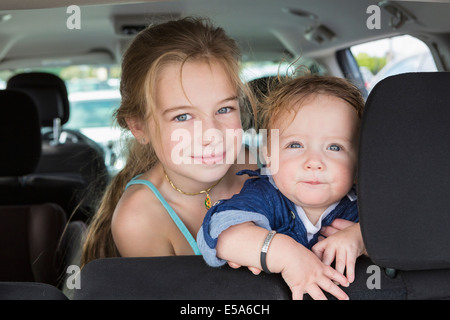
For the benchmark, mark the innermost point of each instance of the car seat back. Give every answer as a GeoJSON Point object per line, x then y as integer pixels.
{"type": "Point", "coordinates": [404, 172]}
{"type": "Point", "coordinates": [172, 278]}
{"type": "Point", "coordinates": [20, 142]}
{"type": "Point", "coordinates": [31, 226]}
{"type": "Point", "coordinates": [29, 238]}
{"type": "Point", "coordinates": [29, 291]}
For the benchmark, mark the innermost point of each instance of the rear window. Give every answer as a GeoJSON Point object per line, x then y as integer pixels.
{"type": "Point", "coordinates": [386, 57]}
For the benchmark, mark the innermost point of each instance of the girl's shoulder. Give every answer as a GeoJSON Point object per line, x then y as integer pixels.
{"type": "Point", "coordinates": [138, 220]}
{"type": "Point", "coordinates": [140, 202]}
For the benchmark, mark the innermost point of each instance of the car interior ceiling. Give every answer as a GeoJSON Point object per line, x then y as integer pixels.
{"type": "Point", "coordinates": [44, 206]}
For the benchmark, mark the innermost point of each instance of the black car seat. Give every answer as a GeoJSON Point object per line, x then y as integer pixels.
{"type": "Point", "coordinates": [29, 238]}
{"type": "Point", "coordinates": [37, 244]}
{"type": "Point", "coordinates": [29, 233]}
{"type": "Point", "coordinates": [403, 181]}
{"type": "Point", "coordinates": [30, 291]}
{"type": "Point", "coordinates": [75, 157]}
{"type": "Point", "coordinates": [21, 146]}
{"type": "Point", "coordinates": [173, 278]}
{"type": "Point", "coordinates": [190, 278]}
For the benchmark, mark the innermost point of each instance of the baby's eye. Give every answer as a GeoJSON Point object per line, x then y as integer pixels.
{"type": "Point", "coordinates": [335, 147]}
{"type": "Point", "coordinates": [224, 110]}
{"type": "Point", "coordinates": [295, 145]}
{"type": "Point", "coordinates": [183, 117]}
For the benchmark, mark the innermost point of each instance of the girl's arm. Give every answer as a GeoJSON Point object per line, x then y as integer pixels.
{"type": "Point", "coordinates": [300, 268]}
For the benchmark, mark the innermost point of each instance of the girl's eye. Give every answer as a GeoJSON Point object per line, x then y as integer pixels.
{"type": "Point", "coordinates": [224, 110]}
{"type": "Point", "coordinates": [183, 117]}
{"type": "Point", "coordinates": [335, 147]}
{"type": "Point", "coordinates": [295, 145]}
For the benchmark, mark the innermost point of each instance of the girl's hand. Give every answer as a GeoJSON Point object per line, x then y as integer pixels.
{"type": "Point", "coordinates": [343, 245]}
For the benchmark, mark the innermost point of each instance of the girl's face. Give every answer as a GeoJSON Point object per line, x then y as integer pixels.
{"type": "Point", "coordinates": [200, 131]}
{"type": "Point", "coordinates": [317, 152]}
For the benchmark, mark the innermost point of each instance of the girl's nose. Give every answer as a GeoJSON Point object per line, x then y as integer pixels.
{"type": "Point", "coordinates": [208, 132]}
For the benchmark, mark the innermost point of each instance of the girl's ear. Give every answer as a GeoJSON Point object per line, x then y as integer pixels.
{"type": "Point", "coordinates": [137, 129]}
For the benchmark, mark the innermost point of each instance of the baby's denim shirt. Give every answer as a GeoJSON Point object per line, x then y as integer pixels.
{"type": "Point", "coordinates": [261, 202]}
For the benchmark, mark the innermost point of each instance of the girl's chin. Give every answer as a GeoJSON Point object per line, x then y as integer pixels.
{"type": "Point", "coordinates": [208, 172]}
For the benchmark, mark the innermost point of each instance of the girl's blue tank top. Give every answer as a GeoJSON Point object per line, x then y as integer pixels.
{"type": "Point", "coordinates": [190, 239]}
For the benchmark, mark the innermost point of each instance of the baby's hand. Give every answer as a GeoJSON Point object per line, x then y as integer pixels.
{"type": "Point", "coordinates": [254, 270]}
{"type": "Point", "coordinates": [344, 246]}
{"type": "Point", "coordinates": [303, 271]}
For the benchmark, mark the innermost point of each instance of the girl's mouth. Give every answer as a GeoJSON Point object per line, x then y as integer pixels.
{"type": "Point", "coordinates": [211, 159]}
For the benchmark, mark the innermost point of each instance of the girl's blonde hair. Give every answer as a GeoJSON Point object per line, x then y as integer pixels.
{"type": "Point", "coordinates": [178, 41]}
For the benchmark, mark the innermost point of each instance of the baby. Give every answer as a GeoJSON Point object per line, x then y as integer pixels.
{"type": "Point", "coordinates": [312, 170]}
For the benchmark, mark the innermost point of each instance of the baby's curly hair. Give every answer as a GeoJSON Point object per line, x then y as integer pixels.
{"type": "Point", "coordinates": [287, 94]}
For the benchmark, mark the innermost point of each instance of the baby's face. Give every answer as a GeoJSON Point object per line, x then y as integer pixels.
{"type": "Point", "coordinates": [317, 152]}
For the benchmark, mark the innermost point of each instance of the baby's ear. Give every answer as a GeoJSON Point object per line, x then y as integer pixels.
{"type": "Point", "coordinates": [270, 164]}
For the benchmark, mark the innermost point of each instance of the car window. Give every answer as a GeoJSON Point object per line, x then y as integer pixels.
{"type": "Point", "coordinates": [386, 57]}
{"type": "Point", "coordinates": [89, 111]}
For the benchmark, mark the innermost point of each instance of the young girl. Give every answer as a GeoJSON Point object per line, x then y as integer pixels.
{"type": "Point", "coordinates": [312, 169]}
{"type": "Point", "coordinates": [181, 97]}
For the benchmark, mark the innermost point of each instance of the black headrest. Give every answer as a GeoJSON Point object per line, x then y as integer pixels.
{"type": "Point", "coordinates": [404, 172]}
{"type": "Point", "coordinates": [49, 92]}
{"type": "Point", "coordinates": [20, 134]}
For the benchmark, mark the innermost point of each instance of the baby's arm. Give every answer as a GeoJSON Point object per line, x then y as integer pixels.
{"type": "Point", "coordinates": [344, 243]}
{"type": "Point", "coordinates": [300, 268]}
